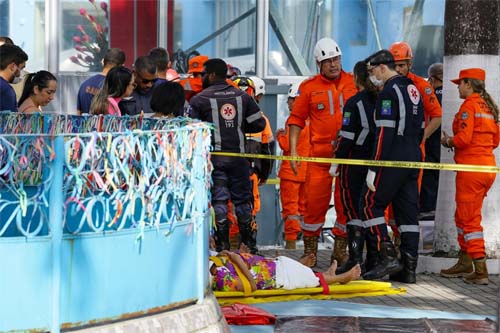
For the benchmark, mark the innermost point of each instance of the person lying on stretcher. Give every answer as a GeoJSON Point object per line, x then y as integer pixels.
{"type": "Point", "coordinates": [271, 273]}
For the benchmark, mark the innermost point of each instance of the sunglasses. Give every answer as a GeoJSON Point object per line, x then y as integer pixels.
{"type": "Point", "coordinates": [144, 81]}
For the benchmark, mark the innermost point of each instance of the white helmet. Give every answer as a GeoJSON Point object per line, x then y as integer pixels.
{"type": "Point", "coordinates": [260, 85]}
{"type": "Point", "coordinates": [326, 48]}
{"type": "Point", "coordinates": [294, 90]}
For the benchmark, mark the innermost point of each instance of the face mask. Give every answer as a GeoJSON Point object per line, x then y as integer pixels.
{"type": "Point", "coordinates": [375, 81]}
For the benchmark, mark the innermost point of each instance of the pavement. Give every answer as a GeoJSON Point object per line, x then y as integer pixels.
{"type": "Point", "coordinates": [431, 292]}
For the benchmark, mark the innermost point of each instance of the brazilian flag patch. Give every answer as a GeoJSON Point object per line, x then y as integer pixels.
{"type": "Point", "coordinates": [386, 107]}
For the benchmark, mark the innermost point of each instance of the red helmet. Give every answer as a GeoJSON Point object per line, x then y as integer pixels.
{"type": "Point", "coordinates": [401, 51]}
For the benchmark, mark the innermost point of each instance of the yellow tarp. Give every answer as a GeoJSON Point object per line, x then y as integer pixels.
{"type": "Point", "coordinates": [352, 289]}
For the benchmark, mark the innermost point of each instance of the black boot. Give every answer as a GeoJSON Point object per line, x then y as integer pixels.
{"type": "Point", "coordinates": [356, 242]}
{"type": "Point", "coordinates": [388, 263]}
{"type": "Point", "coordinates": [222, 235]}
{"type": "Point", "coordinates": [407, 274]}
{"type": "Point", "coordinates": [248, 232]}
{"type": "Point", "coordinates": [372, 258]}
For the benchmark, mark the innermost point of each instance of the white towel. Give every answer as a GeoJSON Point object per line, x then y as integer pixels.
{"type": "Point", "coordinates": [291, 274]}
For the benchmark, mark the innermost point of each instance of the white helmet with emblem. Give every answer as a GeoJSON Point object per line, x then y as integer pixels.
{"type": "Point", "coordinates": [294, 90]}
{"type": "Point", "coordinates": [260, 85]}
{"type": "Point", "coordinates": [326, 48]}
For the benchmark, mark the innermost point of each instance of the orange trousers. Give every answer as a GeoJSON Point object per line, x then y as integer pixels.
{"type": "Point", "coordinates": [317, 194]}
{"type": "Point", "coordinates": [292, 206]}
{"type": "Point", "coordinates": [471, 189]}
{"type": "Point", "coordinates": [234, 229]}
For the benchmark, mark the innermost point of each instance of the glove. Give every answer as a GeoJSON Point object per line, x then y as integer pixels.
{"type": "Point", "coordinates": [333, 170]}
{"type": "Point", "coordinates": [370, 178]}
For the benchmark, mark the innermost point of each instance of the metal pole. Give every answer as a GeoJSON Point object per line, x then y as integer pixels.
{"type": "Point", "coordinates": [162, 23]}
{"type": "Point", "coordinates": [56, 228]}
{"type": "Point", "coordinates": [52, 18]}
{"type": "Point", "coordinates": [261, 52]}
{"type": "Point", "coordinates": [374, 24]}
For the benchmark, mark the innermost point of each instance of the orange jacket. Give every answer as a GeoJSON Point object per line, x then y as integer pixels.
{"type": "Point", "coordinates": [475, 132]}
{"type": "Point", "coordinates": [432, 108]}
{"type": "Point", "coordinates": [322, 101]}
{"type": "Point", "coordinates": [192, 86]}
{"type": "Point", "coordinates": [303, 148]}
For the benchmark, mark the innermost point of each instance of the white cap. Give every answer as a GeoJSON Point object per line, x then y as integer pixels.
{"type": "Point", "coordinates": [260, 85]}
{"type": "Point", "coordinates": [294, 90]}
{"type": "Point", "coordinates": [326, 48]}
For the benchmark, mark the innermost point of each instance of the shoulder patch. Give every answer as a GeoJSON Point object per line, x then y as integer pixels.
{"type": "Point", "coordinates": [386, 107]}
{"type": "Point", "coordinates": [465, 115]}
{"type": "Point", "coordinates": [413, 94]}
{"type": "Point", "coordinates": [428, 91]}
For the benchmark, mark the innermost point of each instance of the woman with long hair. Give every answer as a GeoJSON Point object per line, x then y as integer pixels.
{"type": "Point", "coordinates": [39, 90]}
{"type": "Point", "coordinates": [119, 83]}
{"type": "Point", "coordinates": [476, 134]}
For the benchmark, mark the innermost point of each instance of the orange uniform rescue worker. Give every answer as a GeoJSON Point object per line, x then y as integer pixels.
{"type": "Point", "coordinates": [321, 100]}
{"type": "Point", "coordinates": [475, 130]}
{"type": "Point", "coordinates": [292, 185]}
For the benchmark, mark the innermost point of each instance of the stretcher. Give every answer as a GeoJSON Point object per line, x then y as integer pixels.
{"type": "Point", "coordinates": [358, 288]}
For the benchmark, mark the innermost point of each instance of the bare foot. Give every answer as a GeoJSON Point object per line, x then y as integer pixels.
{"type": "Point", "coordinates": [308, 260]}
{"type": "Point", "coordinates": [352, 274]}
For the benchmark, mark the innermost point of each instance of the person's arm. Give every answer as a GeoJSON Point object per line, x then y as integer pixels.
{"type": "Point", "coordinates": [431, 127]}
{"type": "Point", "coordinates": [294, 131]}
{"type": "Point", "coordinates": [465, 128]}
{"type": "Point", "coordinates": [236, 259]}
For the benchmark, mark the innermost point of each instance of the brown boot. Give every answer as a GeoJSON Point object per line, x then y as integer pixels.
{"type": "Point", "coordinates": [290, 244]}
{"type": "Point", "coordinates": [339, 251]}
{"type": "Point", "coordinates": [480, 274]}
{"type": "Point", "coordinates": [311, 246]}
{"type": "Point", "coordinates": [461, 268]}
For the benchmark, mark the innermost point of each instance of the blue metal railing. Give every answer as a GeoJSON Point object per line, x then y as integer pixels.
{"type": "Point", "coordinates": [100, 225]}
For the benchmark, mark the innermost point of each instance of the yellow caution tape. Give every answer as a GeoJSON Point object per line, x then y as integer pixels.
{"type": "Point", "coordinates": [390, 164]}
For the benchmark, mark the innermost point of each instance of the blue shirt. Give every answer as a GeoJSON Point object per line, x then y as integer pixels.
{"type": "Point", "coordinates": [87, 91]}
{"type": "Point", "coordinates": [8, 100]}
{"type": "Point", "coordinates": [142, 101]}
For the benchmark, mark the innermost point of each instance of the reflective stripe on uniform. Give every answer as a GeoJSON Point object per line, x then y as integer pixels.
{"type": "Point", "coordinates": [293, 217]}
{"type": "Point", "coordinates": [241, 135]}
{"type": "Point", "coordinates": [253, 117]}
{"type": "Point", "coordinates": [374, 222]}
{"type": "Point", "coordinates": [385, 123]}
{"type": "Point", "coordinates": [355, 222]}
{"type": "Point", "coordinates": [187, 86]}
{"type": "Point", "coordinates": [254, 138]}
{"type": "Point", "coordinates": [408, 228]}
{"type": "Point", "coordinates": [339, 226]}
{"type": "Point", "coordinates": [364, 124]}
{"type": "Point", "coordinates": [311, 227]}
{"type": "Point", "coordinates": [423, 124]}
{"type": "Point", "coordinates": [330, 100]}
{"type": "Point", "coordinates": [215, 119]}
{"type": "Point", "coordinates": [402, 111]}
{"type": "Point", "coordinates": [341, 99]}
{"type": "Point", "coordinates": [347, 135]}
{"type": "Point", "coordinates": [483, 115]}
{"type": "Point", "coordinates": [473, 235]}
{"type": "Point", "coordinates": [460, 231]}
